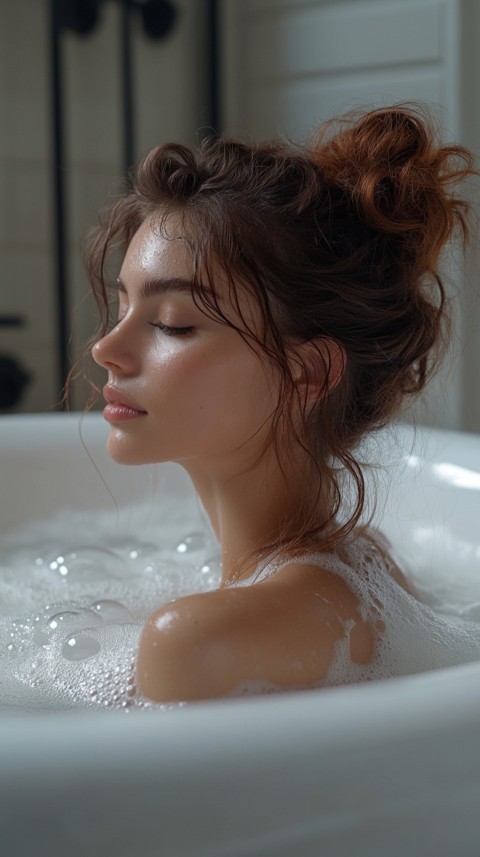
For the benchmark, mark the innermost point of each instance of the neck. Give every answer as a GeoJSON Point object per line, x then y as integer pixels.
{"type": "Point", "coordinates": [249, 510]}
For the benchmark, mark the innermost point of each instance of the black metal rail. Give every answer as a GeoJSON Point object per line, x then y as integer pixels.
{"type": "Point", "coordinates": [158, 18]}
{"type": "Point", "coordinates": [128, 107]}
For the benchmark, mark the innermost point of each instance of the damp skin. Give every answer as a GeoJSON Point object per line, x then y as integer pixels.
{"type": "Point", "coordinates": [199, 396]}
{"type": "Point", "coordinates": [206, 399]}
{"type": "Point", "coordinates": [294, 619]}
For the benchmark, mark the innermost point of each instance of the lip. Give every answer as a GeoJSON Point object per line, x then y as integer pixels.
{"type": "Point", "coordinates": [119, 406]}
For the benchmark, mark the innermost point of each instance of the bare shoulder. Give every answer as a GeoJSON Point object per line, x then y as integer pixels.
{"type": "Point", "coordinates": [280, 631]}
{"type": "Point", "coordinates": [392, 562]}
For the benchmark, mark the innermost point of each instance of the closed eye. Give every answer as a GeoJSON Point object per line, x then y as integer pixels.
{"type": "Point", "coordinates": [172, 331]}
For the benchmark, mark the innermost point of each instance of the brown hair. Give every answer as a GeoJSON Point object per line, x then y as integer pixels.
{"type": "Point", "coordinates": [339, 240]}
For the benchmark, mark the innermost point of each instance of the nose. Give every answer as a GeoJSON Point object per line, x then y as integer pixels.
{"type": "Point", "coordinates": [111, 352]}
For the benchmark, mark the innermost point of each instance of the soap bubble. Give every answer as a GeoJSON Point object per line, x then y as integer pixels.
{"type": "Point", "coordinates": [37, 555]}
{"type": "Point", "coordinates": [73, 619]}
{"type": "Point", "coordinates": [20, 635]}
{"type": "Point", "coordinates": [152, 567]}
{"type": "Point", "coordinates": [85, 563]}
{"type": "Point", "coordinates": [141, 550]}
{"type": "Point", "coordinates": [111, 611]}
{"type": "Point", "coordinates": [134, 555]}
{"type": "Point", "coordinates": [191, 542]}
{"type": "Point", "coordinates": [84, 605]}
{"type": "Point", "coordinates": [211, 568]}
{"type": "Point", "coordinates": [67, 619]}
{"type": "Point", "coordinates": [80, 646]}
{"type": "Point", "coordinates": [142, 558]}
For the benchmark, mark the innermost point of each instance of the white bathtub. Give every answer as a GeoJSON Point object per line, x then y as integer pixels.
{"type": "Point", "coordinates": [390, 769]}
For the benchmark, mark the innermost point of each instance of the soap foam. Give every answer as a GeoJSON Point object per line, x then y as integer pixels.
{"type": "Point", "coordinates": [409, 636]}
{"type": "Point", "coordinates": [73, 600]}
{"type": "Point", "coordinates": [74, 596]}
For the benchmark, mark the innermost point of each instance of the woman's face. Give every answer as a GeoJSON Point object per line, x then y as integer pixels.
{"type": "Point", "coordinates": [181, 386]}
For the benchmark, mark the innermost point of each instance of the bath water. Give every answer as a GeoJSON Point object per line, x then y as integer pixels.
{"type": "Point", "coordinates": [74, 596]}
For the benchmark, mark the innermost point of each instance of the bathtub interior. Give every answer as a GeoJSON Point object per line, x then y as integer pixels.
{"type": "Point", "coordinates": [55, 462]}
{"type": "Point", "coordinates": [388, 768]}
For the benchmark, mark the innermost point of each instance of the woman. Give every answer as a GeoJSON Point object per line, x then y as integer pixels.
{"type": "Point", "coordinates": [277, 304]}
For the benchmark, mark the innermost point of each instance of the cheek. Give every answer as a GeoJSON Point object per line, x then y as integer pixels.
{"type": "Point", "coordinates": [219, 386]}
{"type": "Point", "coordinates": [238, 397]}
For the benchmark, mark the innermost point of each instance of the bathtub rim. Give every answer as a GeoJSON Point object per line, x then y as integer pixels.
{"type": "Point", "coordinates": [300, 752]}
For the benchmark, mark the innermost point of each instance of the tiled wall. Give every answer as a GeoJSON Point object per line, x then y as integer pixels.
{"type": "Point", "coordinates": [26, 270]}
{"type": "Point", "coordinates": [170, 104]}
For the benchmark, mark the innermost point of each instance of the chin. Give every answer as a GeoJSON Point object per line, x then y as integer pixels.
{"type": "Point", "coordinates": [122, 450]}
{"type": "Point", "coordinates": [125, 449]}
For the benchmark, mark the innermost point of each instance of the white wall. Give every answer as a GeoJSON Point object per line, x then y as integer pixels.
{"type": "Point", "coordinates": [292, 63]}
{"type": "Point", "coordinates": [289, 64]}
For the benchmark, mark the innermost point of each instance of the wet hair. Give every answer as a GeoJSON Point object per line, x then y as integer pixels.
{"type": "Point", "coordinates": [339, 240]}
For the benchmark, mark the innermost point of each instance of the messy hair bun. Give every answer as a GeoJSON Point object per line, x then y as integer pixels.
{"type": "Point", "coordinates": [341, 241]}
{"type": "Point", "coordinates": [397, 177]}
{"type": "Point", "coordinates": [392, 184]}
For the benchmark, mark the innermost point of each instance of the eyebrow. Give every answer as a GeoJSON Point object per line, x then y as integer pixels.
{"type": "Point", "coordinates": [162, 285]}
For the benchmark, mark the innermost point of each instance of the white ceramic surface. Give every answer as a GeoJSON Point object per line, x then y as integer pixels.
{"type": "Point", "coordinates": [388, 769]}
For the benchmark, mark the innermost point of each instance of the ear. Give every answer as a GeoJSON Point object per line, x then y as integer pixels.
{"type": "Point", "coordinates": [317, 367]}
